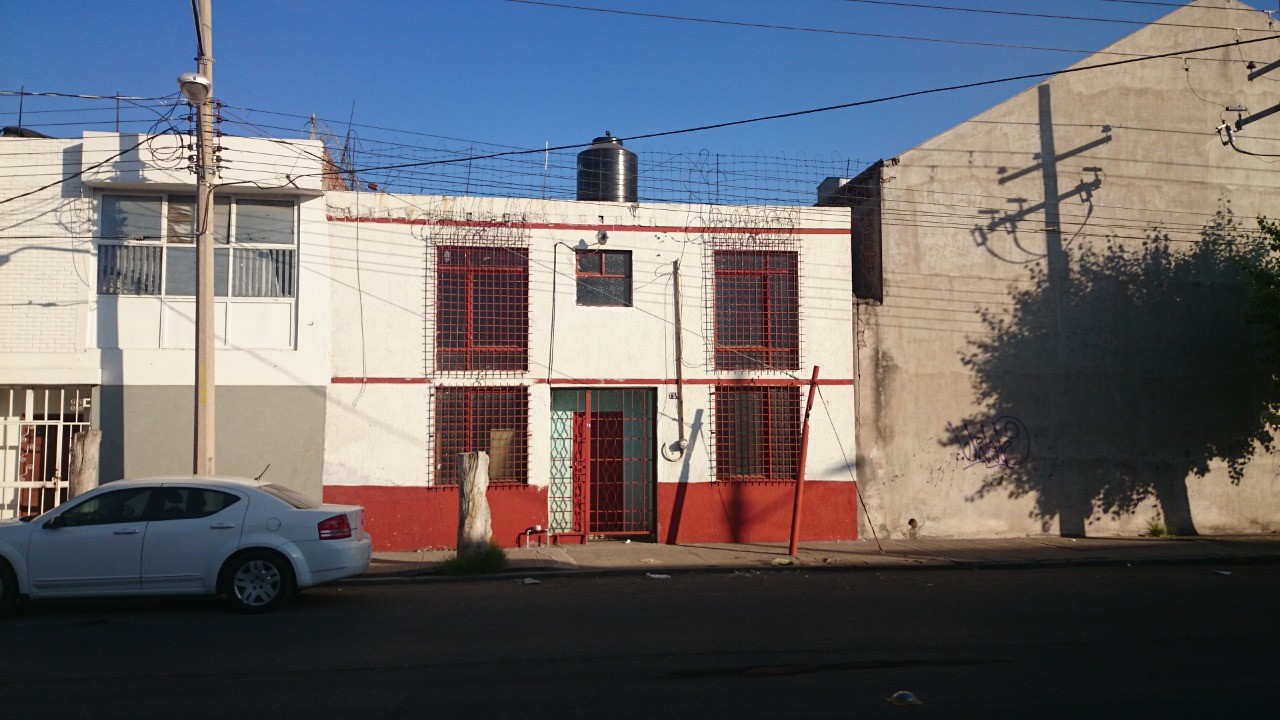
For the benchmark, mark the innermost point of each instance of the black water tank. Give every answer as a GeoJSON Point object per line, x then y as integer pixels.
{"type": "Point", "coordinates": [607, 171]}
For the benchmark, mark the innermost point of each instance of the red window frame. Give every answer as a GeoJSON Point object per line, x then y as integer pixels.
{"type": "Point", "coordinates": [757, 310]}
{"type": "Point", "coordinates": [474, 418]}
{"type": "Point", "coordinates": [757, 433]}
{"type": "Point", "coordinates": [592, 279]}
{"type": "Point", "coordinates": [482, 308]}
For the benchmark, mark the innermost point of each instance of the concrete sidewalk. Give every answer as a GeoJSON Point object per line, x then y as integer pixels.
{"type": "Point", "coordinates": [615, 556]}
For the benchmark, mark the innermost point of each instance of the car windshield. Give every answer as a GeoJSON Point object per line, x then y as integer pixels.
{"type": "Point", "coordinates": [292, 497]}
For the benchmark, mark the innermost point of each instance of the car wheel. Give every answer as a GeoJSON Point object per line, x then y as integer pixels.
{"type": "Point", "coordinates": [258, 581]}
{"type": "Point", "coordinates": [8, 588]}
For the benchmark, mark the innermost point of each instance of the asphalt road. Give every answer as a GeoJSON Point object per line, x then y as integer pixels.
{"type": "Point", "coordinates": [1165, 642]}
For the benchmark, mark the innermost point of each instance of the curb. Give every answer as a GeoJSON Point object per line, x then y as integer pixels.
{"type": "Point", "coordinates": [430, 576]}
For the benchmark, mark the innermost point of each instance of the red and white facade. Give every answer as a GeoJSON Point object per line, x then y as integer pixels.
{"type": "Point", "coordinates": [547, 333]}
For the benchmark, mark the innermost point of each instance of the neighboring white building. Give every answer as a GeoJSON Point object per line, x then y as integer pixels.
{"type": "Point", "coordinates": [366, 339]}
{"type": "Point", "coordinates": [97, 307]}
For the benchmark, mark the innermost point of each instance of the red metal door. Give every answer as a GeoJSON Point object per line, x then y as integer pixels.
{"type": "Point", "coordinates": [605, 504]}
{"type": "Point", "coordinates": [612, 463]}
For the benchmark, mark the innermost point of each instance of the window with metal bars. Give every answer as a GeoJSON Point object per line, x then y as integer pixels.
{"type": "Point", "coordinates": [757, 310]}
{"type": "Point", "coordinates": [757, 432]}
{"type": "Point", "coordinates": [148, 246]}
{"type": "Point", "coordinates": [482, 308]}
{"type": "Point", "coordinates": [490, 419]}
{"type": "Point", "coordinates": [604, 277]}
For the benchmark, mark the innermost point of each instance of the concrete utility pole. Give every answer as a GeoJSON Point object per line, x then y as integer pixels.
{"type": "Point", "coordinates": [205, 328]}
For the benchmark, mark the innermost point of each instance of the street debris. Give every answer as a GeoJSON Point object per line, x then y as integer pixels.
{"type": "Point", "coordinates": [784, 561]}
{"type": "Point", "coordinates": [903, 697]}
{"type": "Point", "coordinates": [658, 576]}
{"type": "Point", "coordinates": [531, 581]}
{"type": "Point", "coordinates": [647, 560]}
{"type": "Point", "coordinates": [1222, 572]}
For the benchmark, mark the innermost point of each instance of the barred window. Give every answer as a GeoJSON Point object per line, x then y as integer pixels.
{"type": "Point", "coordinates": [757, 432]}
{"type": "Point", "coordinates": [490, 419]}
{"type": "Point", "coordinates": [757, 310]}
{"type": "Point", "coordinates": [604, 277]}
{"type": "Point", "coordinates": [148, 246]}
{"type": "Point", "coordinates": [482, 308]}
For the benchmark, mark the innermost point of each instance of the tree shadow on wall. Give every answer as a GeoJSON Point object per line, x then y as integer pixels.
{"type": "Point", "coordinates": [1120, 379]}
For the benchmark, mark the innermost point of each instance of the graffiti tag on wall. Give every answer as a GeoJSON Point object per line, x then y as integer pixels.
{"type": "Point", "coordinates": [1003, 442]}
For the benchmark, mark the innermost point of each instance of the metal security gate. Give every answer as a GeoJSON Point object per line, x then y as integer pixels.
{"type": "Point", "coordinates": [36, 427]}
{"type": "Point", "coordinates": [603, 462]}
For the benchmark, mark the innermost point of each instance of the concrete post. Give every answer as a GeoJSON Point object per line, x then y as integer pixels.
{"type": "Point", "coordinates": [84, 462]}
{"type": "Point", "coordinates": [205, 383]}
{"type": "Point", "coordinates": [475, 527]}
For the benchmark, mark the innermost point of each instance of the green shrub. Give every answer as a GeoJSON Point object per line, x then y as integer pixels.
{"type": "Point", "coordinates": [1157, 528]}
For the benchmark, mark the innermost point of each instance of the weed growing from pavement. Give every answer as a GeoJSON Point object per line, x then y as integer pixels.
{"type": "Point", "coordinates": [1157, 528]}
{"type": "Point", "coordinates": [492, 560]}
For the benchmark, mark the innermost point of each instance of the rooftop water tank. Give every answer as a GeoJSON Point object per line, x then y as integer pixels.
{"type": "Point", "coordinates": [607, 171]}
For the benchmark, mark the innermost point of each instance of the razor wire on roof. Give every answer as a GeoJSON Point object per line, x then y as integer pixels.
{"type": "Point", "coordinates": [698, 176]}
{"type": "Point", "coordinates": [664, 176]}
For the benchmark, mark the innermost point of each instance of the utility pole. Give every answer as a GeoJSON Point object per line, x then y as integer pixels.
{"type": "Point", "coordinates": [205, 172]}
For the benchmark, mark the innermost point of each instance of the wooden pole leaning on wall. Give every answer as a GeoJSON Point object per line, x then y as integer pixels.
{"type": "Point", "coordinates": [84, 462]}
{"type": "Point", "coordinates": [475, 526]}
{"type": "Point", "coordinates": [804, 456]}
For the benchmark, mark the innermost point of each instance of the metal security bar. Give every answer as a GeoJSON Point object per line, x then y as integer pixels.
{"type": "Point", "coordinates": [490, 419]}
{"type": "Point", "coordinates": [482, 308]}
{"type": "Point", "coordinates": [757, 312]}
{"type": "Point", "coordinates": [602, 466]}
{"type": "Point", "coordinates": [36, 428]}
{"type": "Point", "coordinates": [756, 432]}
{"type": "Point", "coordinates": [480, 295]}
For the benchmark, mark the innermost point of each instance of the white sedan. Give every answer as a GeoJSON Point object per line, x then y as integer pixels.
{"type": "Point", "coordinates": [254, 542]}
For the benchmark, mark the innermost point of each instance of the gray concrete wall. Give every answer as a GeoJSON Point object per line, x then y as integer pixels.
{"type": "Point", "coordinates": [1062, 346]}
{"type": "Point", "coordinates": [147, 430]}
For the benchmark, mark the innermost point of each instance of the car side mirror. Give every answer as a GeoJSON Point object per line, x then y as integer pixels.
{"type": "Point", "coordinates": [55, 523]}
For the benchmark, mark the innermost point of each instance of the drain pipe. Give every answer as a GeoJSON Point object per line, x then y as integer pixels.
{"type": "Point", "coordinates": [681, 444]}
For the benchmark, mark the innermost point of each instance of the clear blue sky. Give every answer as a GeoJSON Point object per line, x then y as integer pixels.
{"type": "Point", "coordinates": [516, 74]}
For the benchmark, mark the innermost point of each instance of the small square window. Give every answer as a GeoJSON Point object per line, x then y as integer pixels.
{"type": "Point", "coordinates": [604, 277]}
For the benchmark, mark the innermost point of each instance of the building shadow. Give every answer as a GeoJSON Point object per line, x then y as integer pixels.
{"type": "Point", "coordinates": [1117, 381]}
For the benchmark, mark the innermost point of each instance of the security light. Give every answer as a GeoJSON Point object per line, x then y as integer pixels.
{"type": "Point", "coordinates": [195, 87]}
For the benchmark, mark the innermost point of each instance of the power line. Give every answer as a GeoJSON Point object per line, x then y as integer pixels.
{"type": "Point", "coordinates": [812, 111]}
{"type": "Point", "coordinates": [1024, 14]}
{"type": "Point", "coordinates": [796, 28]}
{"type": "Point", "coordinates": [75, 175]}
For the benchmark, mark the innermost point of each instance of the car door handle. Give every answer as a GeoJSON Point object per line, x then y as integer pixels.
{"type": "Point", "coordinates": [125, 532]}
{"type": "Point", "coordinates": [222, 526]}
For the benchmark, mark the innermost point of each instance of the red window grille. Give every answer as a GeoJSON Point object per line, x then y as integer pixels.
{"type": "Point", "coordinates": [490, 419]}
{"type": "Point", "coordinates": [604, 277]}
{"type": "Point", "coordinates": [757, 311]}
{"type": "Point", "coordinates": [482, 308]}
{"type": "Point", "coordinates": [757, 432]}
